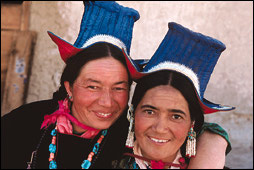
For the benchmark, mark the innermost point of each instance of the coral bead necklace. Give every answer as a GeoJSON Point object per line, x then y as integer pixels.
{"type": "Point", "coordinates": [86, 163]}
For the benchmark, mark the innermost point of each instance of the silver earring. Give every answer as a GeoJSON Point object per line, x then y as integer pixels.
{"type": "Point", "coordinates": [130, 139]}
{"type": "Point", "coordinates": [191, 142]}
{"type": "Point", "coordinates": [70, 97]}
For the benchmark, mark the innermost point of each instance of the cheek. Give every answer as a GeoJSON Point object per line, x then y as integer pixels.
{"type": "Point", "coordinates": [180, 132]}
{"type": "Point", "coordinates": [141, 126]}
{"type": "Point", "coordinates": [122, 99]}
{"type": "Point", "coordinates": [83, 97]}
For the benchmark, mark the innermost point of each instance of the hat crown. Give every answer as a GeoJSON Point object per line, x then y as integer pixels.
{"type": "Point", "coordinates": [106, 19]}
{"type": "Point", "coordinates": [193, 51]}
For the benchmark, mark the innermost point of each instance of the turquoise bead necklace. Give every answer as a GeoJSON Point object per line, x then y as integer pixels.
{"type": "Point", "coordinates": [86, 163]}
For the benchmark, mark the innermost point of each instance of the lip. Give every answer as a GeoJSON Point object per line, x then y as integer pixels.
{"type": "Point", "coordinates": [103, 115]}
{"type": "Point", "coordinates": [158, 141]}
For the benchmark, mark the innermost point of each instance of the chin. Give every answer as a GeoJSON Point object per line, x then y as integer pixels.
{"type": "Point", "coordinates": [102, 125]}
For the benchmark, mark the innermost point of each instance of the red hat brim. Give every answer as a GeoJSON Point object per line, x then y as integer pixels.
{"type": "Point", "coordinates": [66, 49]}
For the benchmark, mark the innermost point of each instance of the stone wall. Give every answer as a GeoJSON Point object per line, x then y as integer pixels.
{"type": "Point", "coordinates": [231, 82]}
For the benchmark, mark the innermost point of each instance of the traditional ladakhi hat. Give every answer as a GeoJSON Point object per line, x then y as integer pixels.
{"type": "Point", "coordinates": [192, 54]}
{"type": "Point", "coordinates": [102, 21]}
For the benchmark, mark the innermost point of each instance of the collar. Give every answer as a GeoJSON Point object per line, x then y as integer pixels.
{"type": "Point", "coordinates": [178, 163]}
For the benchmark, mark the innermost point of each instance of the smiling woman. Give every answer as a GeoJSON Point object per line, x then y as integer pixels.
{"type": "Point", "coordinates": [104, 82]}
{"type": "Point", "coordinates": [79, 127]}
{"type": "Point", "coordinates": [164, 115]}
{"type": "Point", "coordinates": [168, 106]}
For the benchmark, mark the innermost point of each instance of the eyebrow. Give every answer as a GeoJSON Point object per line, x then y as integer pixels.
{"type": "Point", "coordinates": [149, 106]}
{"type": "Point", "coordinates": [170, 110]}
{"type": "Point", "coordinates": [122, 82]}
{"type": "Point", "coordinates": [92, 80]}
{"type": "Point", "coordinates": [177, 111]}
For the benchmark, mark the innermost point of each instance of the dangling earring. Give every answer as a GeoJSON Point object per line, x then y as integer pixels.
{"type": "Point", "coordinates": [130, 139]}
{"type": "Point", "coordinates": [191, 142]}
{"type": "Point", "coordinates": [69, 97]}
{"type": "Point", "coordinates": [67, 101]}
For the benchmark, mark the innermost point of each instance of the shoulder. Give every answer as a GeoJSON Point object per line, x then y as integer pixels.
{"type": "Point", "coordinates": [28, 114]}
{"type": "Point", "coordinates": [32, 109]}
{"type": "Point", "coordinates": [20, 132]}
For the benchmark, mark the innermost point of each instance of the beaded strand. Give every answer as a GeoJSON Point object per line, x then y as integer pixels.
{"type": "Point", "coordinates": [52, 150]}
{"type": "Point", "coordinates": [86, 163]}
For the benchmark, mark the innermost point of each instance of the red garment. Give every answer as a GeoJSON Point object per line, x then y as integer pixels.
{"type": "Point", "coordinates": [63, 118]}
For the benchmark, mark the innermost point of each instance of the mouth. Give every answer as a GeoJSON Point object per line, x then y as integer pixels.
{"type": "Point", "coordinates": [103, 115]}
{"type": "Point", "coordinates": [159, 141]}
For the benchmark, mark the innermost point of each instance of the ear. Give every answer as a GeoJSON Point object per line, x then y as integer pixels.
{"type": "Point", "coordinates": [68, 89]}
{"type": "Point", "coordinates": [193, 123]}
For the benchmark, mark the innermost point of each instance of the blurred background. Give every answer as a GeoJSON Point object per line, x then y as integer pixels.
{"type": "Point", "coordinates": [31, 65]}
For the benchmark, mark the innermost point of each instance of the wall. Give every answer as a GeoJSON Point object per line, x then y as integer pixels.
{"type": "Point", "coordinates": [232, 79]}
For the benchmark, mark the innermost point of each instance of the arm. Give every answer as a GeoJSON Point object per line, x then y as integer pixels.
{"type": "Point", "coordinates": [211, 149]}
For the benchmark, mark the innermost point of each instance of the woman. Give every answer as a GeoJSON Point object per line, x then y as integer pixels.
{"type": "Point", "coordinates": [168, 101]}
{"type": "Point", "coordinates": [80, 125]}
{"type": "Point", "coordinates": [78, 128]}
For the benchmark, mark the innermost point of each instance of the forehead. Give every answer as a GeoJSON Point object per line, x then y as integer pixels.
{"type": "Point", "coordinates": [164, 96]}
{"type": "Point", "coordinates": [104, 68]}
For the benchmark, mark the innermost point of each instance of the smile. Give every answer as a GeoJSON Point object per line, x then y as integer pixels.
{"type": "Point", "coordinates": [159, 140]}
{"type": "Point", "coordinates": [103, 115]}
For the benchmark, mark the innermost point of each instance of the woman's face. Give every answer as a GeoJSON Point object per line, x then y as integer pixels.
{"type": "Point", "coordinates": [100, 93]}
{"type": "Point", "coordinates": [162, 122]}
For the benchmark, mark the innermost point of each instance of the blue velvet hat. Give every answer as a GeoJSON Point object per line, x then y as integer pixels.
{"type": "Point", "coordinates": [192, 54]}
{"type": "Point", "coordinates": [102, 21]}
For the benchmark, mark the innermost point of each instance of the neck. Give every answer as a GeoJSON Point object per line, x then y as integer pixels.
{"type": "Point", "coordinates": [138, 150]}
{"type": "Point", "coordinates": [158, 164]}
{"type": "Point", "coordinates": [170, 158]}
{"type": "Point", "coordinates": [152, 160]}
{"type": "Point", "coordinates": [77, 129]}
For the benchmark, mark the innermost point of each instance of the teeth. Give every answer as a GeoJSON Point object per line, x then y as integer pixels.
{"type": "Point", "coordinates": [159, 141]}
{"type": "Point", "coordinates": [104, 114]}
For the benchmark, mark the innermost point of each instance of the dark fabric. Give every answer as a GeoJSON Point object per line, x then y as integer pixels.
{"type": "Point", "coordinates": [21, 134]}
{"type": "Point", "coordinates": [127, 162]}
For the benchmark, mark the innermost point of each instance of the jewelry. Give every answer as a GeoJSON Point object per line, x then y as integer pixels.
{"type": "Point", "coordinates": [191, 142]}
{"type": "Point", "coordinates": [86, 163]}
{"type": "Point", "coordinates": [70, 97]}
{"type": "Point", "coordinates": [159, 164]}
{"type": "Point", "coordinates": [130, 139]}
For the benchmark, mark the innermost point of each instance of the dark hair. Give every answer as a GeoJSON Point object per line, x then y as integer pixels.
{"type": "Point", "coordinates": [181, 83]}
{"type": "Point", "coordinates": [75, 63]}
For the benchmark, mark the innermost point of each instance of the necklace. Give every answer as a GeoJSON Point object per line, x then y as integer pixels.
{"type": "Point", "coordinates": [86, 163]}
{"type": "Point", "coordinates": [159, 164]}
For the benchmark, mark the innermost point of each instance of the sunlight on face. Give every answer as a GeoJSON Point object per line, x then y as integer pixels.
{"type": "Point", "coordinates": [100, 93]}
{"type": "Point", "coordinates": [162, 122]}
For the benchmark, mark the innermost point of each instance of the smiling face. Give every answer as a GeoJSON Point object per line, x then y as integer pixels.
{"type": "Point", "coordinates": [162, 122]}
{"type": "Point", "coordinates": [100, 93]}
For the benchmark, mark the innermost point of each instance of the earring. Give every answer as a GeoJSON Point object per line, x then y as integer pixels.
{"type": "Point", "coordinates": [67, 101]}
{"type": "Point", "coordinates": [191, 142]}
{"type": "Point", "coordinates": [130, 139]}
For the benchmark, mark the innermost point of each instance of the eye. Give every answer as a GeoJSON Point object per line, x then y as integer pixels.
{"type": "Point", "coordinates": [119, 89]}
{"type": "Point", "coordinates": [149, 112]}
{"type": "Point", "coordinates": [177, 117]}
{"type": "Point", "coordinates": [93, 87]}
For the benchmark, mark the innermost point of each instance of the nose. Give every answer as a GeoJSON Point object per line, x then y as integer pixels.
{"type": "Point", "coordinates": [106, 98]}
{"type": "Point", "coordinates": [161, 125]}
